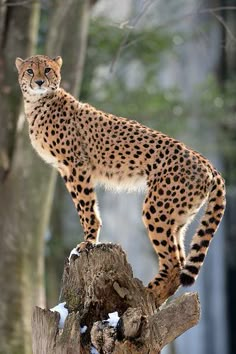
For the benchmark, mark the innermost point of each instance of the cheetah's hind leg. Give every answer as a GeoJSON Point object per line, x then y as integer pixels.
{"type": "Point", "coordinates": [163, 232]}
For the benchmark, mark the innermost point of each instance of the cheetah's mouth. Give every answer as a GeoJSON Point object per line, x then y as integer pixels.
{"type": "Point", "coordinates": [39, 90]}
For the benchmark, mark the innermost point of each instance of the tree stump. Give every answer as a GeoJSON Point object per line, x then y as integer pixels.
{"type": "Point", "coordinates": [97, 283]}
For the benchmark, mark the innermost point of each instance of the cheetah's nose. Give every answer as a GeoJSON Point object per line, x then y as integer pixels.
{"type": "Point", "coordinates": [39, 82]}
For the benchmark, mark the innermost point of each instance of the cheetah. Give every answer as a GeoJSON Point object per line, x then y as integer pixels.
{"type": "Point", "coordinates": [88, 146]}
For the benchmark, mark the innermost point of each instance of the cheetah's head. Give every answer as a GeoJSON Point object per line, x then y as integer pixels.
{"type": "Point", "coordinates": [39, 74]}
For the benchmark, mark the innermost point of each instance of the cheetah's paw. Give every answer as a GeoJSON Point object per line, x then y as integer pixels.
{"type": "Point", "coordinates": [75, 253]}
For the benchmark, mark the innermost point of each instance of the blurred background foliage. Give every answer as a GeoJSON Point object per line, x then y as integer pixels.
{"type": "Point", "coordinates": [135, 92]}
{"type": "Point", "coordinates": [169, 65]}
{"type": "Point", "coordinates": [140, 67]}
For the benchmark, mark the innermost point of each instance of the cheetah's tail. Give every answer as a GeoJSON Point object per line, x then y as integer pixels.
{"type": "Point", "coordinates": [209, 224]}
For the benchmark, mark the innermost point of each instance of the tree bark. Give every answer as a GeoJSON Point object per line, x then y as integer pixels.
{"type": "Point", "coordinates": [21, 276]}
{"type": "Point", "coordinates": [19, 28]}
{"type": "Point", "coordinates": [26, 182]}
{"type": "Point", "coordinates": [76, 22]}
{"type": "Point", "coordinates": [226, 73]}
{"type": "Point", "coordinates": [100, 282]}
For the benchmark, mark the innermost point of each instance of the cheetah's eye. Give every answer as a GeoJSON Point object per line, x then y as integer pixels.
{"type": "Point", "coordinates": [30, 71]}
{"type": "Point", "coordinates": [47, 70]}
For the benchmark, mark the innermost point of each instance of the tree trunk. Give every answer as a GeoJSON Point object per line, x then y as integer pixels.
{"type": "Point", "coordinates": [76, 22]}
{"type": "Point", "coordinates": [21, 276]}
{"type": "Point", "coordinates": [100, 282]}
{"type": "Point", "coordinates": [26, 182]}
{"type": "Point", "coordinates": [19, 28]}
{"type": "Point", "coordinates": [226, 72]}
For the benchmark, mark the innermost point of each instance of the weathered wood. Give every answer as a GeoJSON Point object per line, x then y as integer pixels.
{"type": "Point", "coordinates": [44, 325]}
{"type": "Point", "coordinates": [48, 339]}
{"type": "Point", "coordinates": [101, 278]}
{"type": "Point", "coordinates": [100, 281]}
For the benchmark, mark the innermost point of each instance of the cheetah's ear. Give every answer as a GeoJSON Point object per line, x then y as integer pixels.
{"type": "Point", "coordinates": [58, 60]}
{"type": "Point", "coordinates": [19, 63]}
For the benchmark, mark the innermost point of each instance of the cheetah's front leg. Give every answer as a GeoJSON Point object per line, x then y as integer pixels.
{"type": "Point", "coordinates": [78, 183]}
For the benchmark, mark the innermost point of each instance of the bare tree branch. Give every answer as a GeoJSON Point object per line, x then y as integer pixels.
{"type": "Point", "coordinates": [126, 37]}
{"type": "Point", "coordinates": [221, 20]}
{"type": "Point", "coordinates": [21, 3]}
{"type": "Point", "coordinates": [125, 44]}
{"type": "Point", "coordinates": [219, 8]}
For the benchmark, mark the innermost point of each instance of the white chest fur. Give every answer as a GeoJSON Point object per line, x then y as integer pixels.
{"type": "Point", "coordinates": [44, 153]}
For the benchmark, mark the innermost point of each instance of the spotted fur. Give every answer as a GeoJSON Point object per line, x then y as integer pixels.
{"type": "Point", "coordinates": [88, 146]}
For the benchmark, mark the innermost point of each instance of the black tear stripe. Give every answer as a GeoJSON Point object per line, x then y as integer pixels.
{"type": "Point", "coordinates": [31, 82]}
{"type": "Point", "coordinates": [54, 73]}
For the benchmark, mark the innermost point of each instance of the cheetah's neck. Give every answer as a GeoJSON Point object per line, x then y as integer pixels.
{"type": "Point", "coordinates": [37, 102]}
